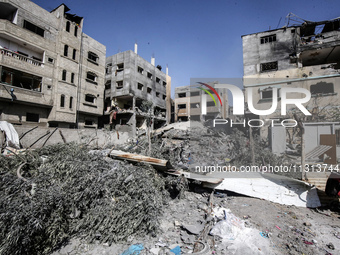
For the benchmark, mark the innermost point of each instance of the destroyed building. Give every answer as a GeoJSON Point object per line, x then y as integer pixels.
{"type": "Point", "coordinates": [52, 74]}
{"type": "Point", "coordinates": [194, 103]}
{"type": "Point", "coordinates": [305, 55]}
{"type": "Point", "coordinates": [129, 81]}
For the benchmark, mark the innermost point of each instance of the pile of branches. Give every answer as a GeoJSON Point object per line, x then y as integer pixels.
{"type": "Point", "coordinates": [62, 191]}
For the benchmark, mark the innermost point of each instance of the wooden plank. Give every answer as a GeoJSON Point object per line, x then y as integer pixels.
{"type": "Point", "coordinates": [140, 158]}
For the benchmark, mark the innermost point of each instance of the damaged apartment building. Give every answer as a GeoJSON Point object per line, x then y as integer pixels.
{"type": "Point", "coordinates": [305, 56]}
{"type": "Point", "coordinates": [52, 74]}
{"type": "Point", "coordinates": [131, 80]}
{"type": "Point", "coordinates": [200, 103]}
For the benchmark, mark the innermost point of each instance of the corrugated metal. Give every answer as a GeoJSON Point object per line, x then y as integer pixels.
{"type": "Point", "coordinates": [317, 151]}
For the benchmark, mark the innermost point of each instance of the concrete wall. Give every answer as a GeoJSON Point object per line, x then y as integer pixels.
{"type": "Point", "coordinates": [96, 138]}
{"type": "Point", "coordinates": [255, 53]}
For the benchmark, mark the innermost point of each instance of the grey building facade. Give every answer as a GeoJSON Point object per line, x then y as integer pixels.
{"type": "Point", "coordinates": [52, 74]}
{"type": "Point", "coordinates": [129, 81]}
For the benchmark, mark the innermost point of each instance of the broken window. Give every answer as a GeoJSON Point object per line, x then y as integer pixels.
{"type": "Point", "coordinates": [71, 103]}
{"type": "Point", "coordinates": [50, 60]}
{"type": "Point", "coordinates": [74, 54]}
{"type": "Point", "coordinates": [68, 25]}
{"type": "Point", "coordinates": [8, 12]}
{"type": "Point", "coordinates": [270, 66]}
{"type": "Point", "coordinates": [76, 31]}
{"type": "Point", "coordinates": [62, 101]}
{"type": "Point", "coordinates": [322, 88]}
{"type": "Point", "coordinates": [108, 69]}
{"type": "Point", "coordinates": [195, 105]}
{"type": "Point", "coordinates": [120, 67]}
{"type": "Point", "coordinates": [119, 84]}
{"type": "Point", "coordinates": [181, 95]}
{"type": "Point", "coordinates": [267, 94]}
{"type": "Point", "coordinates": [140, 86]}
{"type": "Point", "coordinates": [108, 84]}
{"type": "Point", "coordinates": [158, 80]}
{"type": "Point", "coordinates": [164, 97]}
{"type": "Point", "coordinates": [149, 90]}
{"type": "Point", "coordinates": [65, 50]}
{"type": "Point", "coordinates": [90, 98]}
{"type": "Point", "coordinates": [33, 117]}
{"type": "Point", "coordinates": [164, 83]}
{"type": "Point", "coordinates": [64, 75]}
{"type": "Point", "coordinates": [195, 93]}
{"type": "Point", "coordinates": [33, 28]}
{"type": "Point", "coordinates": [182, 106]}
{"type": "Point", "coordinates": [88, 122]}
{"type": "Point", "coordinates": [91, 77]}
{"type": "Point", "coordinates": [210, 103]}
{"type": "Point", "coordinates": [150, 75]}
{"type": "Point", "coordinates": [93, 57]}
{"type": "Point", "coordinates": [157, 94]}
{"type": "Point", "coordinates": [20, 79]}
{"type": "Point", "coordinates": [268, 39]}
{"type": "Point", "coordinates": [140, 70]}
{"type": "Point", "coordinates": [72, 77]}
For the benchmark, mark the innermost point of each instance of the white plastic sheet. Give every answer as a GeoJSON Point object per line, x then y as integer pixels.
{"type": "Point", "coordinates": [12, 137]}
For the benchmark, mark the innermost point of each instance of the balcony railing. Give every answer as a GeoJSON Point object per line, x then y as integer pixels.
{"type": "Point", "coordinates": [20, 57]}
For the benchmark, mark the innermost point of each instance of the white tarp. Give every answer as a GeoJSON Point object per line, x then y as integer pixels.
{"type": "Point", "coordinates": [12, 137]}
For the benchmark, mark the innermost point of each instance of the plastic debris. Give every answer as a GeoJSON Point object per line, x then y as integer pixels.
{"type": "Point", "coordinates": [134, 249]}
{"type": "Point", "coordinates": [176, 250]}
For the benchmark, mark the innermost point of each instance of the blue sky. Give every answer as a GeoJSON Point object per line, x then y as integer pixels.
{"type": "Point", "coordinates": [195, 38]}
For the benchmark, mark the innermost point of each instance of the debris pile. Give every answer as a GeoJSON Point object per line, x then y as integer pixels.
{"type": "Point", "coordinates": [57, 192]}
{"type": "Point", "coordinates": [190, 145]}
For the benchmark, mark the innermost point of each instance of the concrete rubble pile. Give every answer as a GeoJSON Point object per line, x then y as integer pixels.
{"type": "Point", "coordinates": [190, 145]}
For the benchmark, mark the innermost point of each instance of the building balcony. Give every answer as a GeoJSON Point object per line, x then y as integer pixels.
{"type": "Point", "coordinates": [11, 54]}
{"type": "Point", "coordinates": [24, 96]}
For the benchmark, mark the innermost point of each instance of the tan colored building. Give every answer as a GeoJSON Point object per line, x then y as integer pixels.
{"type": "Point", "coordinates": [52, 74]}
{"type": "Point", "coordinates": [189, 102]}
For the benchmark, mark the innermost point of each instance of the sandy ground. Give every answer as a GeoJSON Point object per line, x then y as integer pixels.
{"type": "Point", "coordinates": [262, 227]}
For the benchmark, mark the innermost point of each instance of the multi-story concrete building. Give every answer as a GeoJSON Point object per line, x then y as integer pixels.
{"type": "Point", "coordinates": [304, 56]}
{"type": "Point", "coordinates": [130, 80]}
{"type": "Point", "coordinates": [192, 103]}
{"type": "Point", "coordinates": [51, 72]}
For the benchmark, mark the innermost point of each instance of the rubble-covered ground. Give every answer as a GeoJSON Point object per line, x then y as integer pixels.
{"type": "Point", "coordinates": [68, 199]}
{"type": "Point", "coordinates": [284, 229]}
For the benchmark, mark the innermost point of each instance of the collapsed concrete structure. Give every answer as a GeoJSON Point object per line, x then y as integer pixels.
{"type": "Point", "coordinates": [129, 81]}
{"type": "Point", "coordinates": [51, 72]}
{"type": "Point", "coordinates": [297, 56]}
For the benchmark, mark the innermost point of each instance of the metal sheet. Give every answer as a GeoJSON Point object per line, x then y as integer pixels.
{"type": "Point", "coordinates": [272, 187]}
{"type": "Point", "coordinates": [317, 152]}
